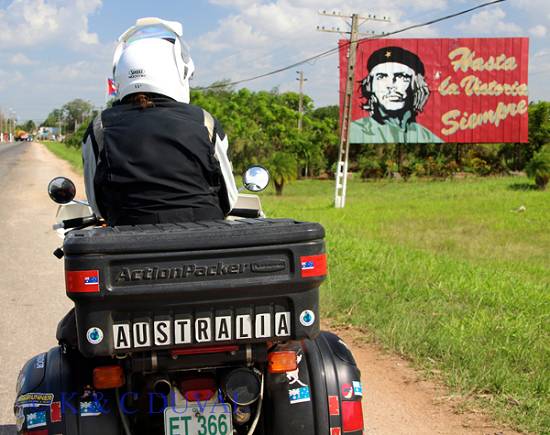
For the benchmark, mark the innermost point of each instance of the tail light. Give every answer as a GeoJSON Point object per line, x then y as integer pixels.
{"type": "Point", "coordinates": [198, 389]}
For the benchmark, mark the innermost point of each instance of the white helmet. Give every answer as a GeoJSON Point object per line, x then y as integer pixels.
{"type": "Point", "coordinates": [152, 57]}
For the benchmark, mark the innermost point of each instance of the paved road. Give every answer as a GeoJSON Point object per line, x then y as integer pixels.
{"type": "Point", "coordinates": [32, 295]}
{"type": "Point", "coordinates": [10, 153]}
{"type": "Point", "coordinates": [32, 300]}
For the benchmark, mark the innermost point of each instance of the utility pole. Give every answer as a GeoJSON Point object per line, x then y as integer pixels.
{"type": "Point", "coordinates": [343, 151]}
{"type": "Point", "coordinates": [301, 101]}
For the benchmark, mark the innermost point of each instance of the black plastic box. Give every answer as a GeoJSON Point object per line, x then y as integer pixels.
{"type": "Point", "coordinates": [211, 283]}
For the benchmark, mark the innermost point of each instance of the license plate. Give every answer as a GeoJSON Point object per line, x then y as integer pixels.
{"type": "Point", "coordinates": [211, 419]}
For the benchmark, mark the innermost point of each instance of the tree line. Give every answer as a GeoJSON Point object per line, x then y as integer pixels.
{"type": "Point", "coordinates": [263, 129]}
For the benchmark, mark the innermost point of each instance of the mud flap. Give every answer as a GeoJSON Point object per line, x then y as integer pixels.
{"type": "Point", "coordinates": [54, 395]}
{"type": "Point", "coordinates": [322, 397]}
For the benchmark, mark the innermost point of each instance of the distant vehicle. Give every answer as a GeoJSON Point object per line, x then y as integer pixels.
{"type": "Point", "coordinates": [21, 135]}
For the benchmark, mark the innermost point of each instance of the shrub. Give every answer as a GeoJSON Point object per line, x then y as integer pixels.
{"type": "Point", "coordinates": [419, 169]}
{"type": "Point", "coordinates": [539, 167]}
{"type": "Point", "coordinates": [480, 166]}
{"type": "Point", "coordinates": [390, 167]}
{"type": "Point", "coordinates": [75, 140]}
{"type": "Point", "coordinates": [369, 167]}
{"type": "Point", "coordinates": [406, 170]}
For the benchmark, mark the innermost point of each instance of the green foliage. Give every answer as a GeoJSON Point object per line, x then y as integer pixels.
{"type": "Point", "coordinates": [71, 115]}
{"type": "Point", "coordinates": [76, 112]}
{"type": "Point", "coordinates": [74, 140]}
{"type": "Point", "coordinates": [262, 126]}
{"type": "Point", "coordinates": [55, 117]}
{"type": "Point", "coordinates": [28, 126]}
{"type": "Point", "coordinates": [282, 169]}
{"type": "Point", "coordinates": [539, 124]}
{"type": "Point", "coordinates": [450, 274]}
{"type": "Point", "coordinates": [539, 167]}
{"type": "Point", "coordinates": [369, 167]}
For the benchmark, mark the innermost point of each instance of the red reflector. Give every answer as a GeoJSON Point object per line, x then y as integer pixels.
{"type": "Point", "coordinates": [82, 281]}
{"type": "Point", "coordinates": [198, 395]}
{"type": "Point", "coordinates": [333, 405]}
{"type": "Point", "coordinates": [352, 416]}
{"type": "Point", "coordinates": [313, 265]}
{"type": "Point", "coordinates": [198, 389]}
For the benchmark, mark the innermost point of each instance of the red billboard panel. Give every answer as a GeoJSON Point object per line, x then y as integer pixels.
{"type": "Point", "coordinates": [438, 90]}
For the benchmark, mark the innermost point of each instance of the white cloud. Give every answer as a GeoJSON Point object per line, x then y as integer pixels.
{"type": "Point", "coordinates": [36, 22]}
{"type": "Point", "coordinates": [490, 22]}
{"type": "Point", "coordinates": [21, 59]}
{"type": "Point", "coordinates": [538, 31]}
{"type": "Point", "coordinates": [82, 72]}
{"type": "Point", "coordinates": [258, 37]}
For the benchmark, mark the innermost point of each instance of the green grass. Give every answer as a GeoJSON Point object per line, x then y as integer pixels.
{"type": "Point", "coordinates": [72, 155]}
{"type": "Point", "coordinates": [448, 274]}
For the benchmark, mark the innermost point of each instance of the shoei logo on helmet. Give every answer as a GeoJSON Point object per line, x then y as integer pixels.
{"type": "Point", "coordinates": [136, 73]}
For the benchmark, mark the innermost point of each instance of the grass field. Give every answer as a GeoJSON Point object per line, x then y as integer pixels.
{"type": "Point", "coordinates": [449, 274]}
{"type": "Point", "coordinates": [454, 275]}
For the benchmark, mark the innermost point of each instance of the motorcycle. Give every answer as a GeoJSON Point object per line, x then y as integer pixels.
{"type": "Point", "coordinates": [195, 328]}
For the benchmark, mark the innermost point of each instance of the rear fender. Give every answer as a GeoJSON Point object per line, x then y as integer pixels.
{"type": "Point", "coordinates": [311, 398]}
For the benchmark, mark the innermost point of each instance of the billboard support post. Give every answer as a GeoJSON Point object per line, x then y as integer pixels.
{"type": "Point", "coordinates": [343, 151]}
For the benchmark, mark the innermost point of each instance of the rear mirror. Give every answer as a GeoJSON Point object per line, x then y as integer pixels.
{"type": "Point", "coordinates": [256, 178]}
{"type": "Point", "coordinates": [61, 190]}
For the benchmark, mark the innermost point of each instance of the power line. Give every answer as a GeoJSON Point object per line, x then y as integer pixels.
{"type": "Point", "coordinates": [335, 49]}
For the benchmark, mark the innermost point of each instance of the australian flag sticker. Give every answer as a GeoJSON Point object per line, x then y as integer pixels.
{"type": "Point", "coordinates": [36, 419]}
{"type": "Point", "coordinates": [308, 265]}
{"type": "Point", "coordinates": [298, 395]}
{"type": "Point", "coordinates": [357, 388]}
{"type": "Point", "coordinates": [90, 408]}
{"type": "Point", "coordinates": [91, 280]}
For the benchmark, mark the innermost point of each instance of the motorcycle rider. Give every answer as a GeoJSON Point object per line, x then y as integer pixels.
{"type": "Point", "coordinates": [153, 157]}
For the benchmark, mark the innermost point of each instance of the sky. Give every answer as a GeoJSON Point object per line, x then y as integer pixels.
{"type": "Point", "coordinates": [52, 51]}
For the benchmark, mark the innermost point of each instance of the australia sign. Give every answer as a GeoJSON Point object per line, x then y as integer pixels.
{"type": "Point", "coordinates": [438, 90]}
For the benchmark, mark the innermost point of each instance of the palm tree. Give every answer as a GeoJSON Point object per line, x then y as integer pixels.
{"type": "Point", "coordinates": [539, 167]}
{"type": "Point", "coordinates": [282, 168]}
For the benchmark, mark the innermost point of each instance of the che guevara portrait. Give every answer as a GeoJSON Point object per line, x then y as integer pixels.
{"type": "Point", "coordinates": [394, 92]}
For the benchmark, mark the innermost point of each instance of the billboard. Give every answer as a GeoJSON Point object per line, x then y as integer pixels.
{"type": "Point", "coordinates": [469, 90]}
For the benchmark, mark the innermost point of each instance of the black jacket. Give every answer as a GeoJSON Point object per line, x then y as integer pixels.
{"type": "Point", "coordinates": [156, 164]}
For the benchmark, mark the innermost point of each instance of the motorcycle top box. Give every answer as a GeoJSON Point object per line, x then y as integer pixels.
{"type": "Point", "coordinates": [153, 287]}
